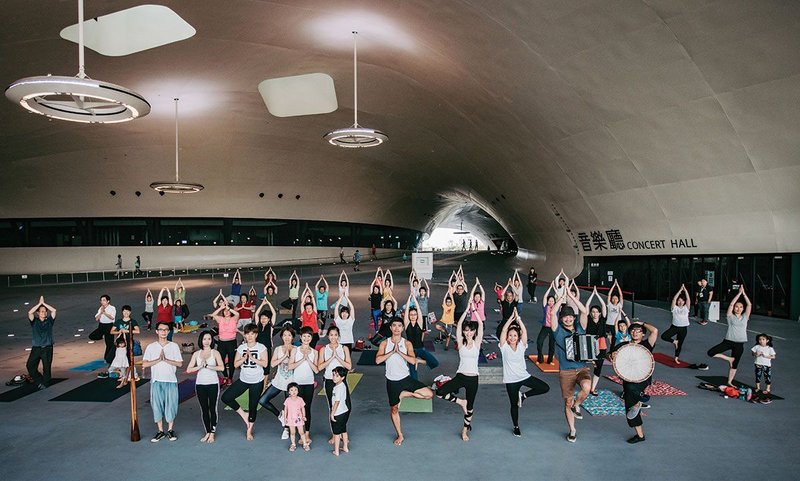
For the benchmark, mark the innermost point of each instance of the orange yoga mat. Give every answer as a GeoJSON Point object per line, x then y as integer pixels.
{"type": "Point", "coordinates": [545, 367]}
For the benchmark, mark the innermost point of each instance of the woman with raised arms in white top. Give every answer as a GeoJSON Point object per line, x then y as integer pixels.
{"type": "Point", "coordinates": [680, 321]}
{"type": "Point", "coordinates": [468, 335]}
{"type": "Point", "coordinates": [513, 343]}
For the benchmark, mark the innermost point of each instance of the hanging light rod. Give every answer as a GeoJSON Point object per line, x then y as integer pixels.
{"type": "Point", "coordinates": [176, 187]}
{"type": "Point", "coordinates": [79, 98]}
{"type": "Point", "coordinates": [355, 136]}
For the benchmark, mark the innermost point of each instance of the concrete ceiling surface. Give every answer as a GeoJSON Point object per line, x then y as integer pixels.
{"type": "Point", "coordinates": [658, 118]}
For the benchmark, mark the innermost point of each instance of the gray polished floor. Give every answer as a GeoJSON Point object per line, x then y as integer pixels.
{"type": "Point", "coordinates": [701, 435]}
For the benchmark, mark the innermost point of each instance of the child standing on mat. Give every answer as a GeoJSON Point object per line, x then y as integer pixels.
{"type": "Point", "coordinates": [295, 409]}
{"type": "Point", "coordinates": [340, 410]}
{"type": "Point", "coordinates": [120, 363]}
{"type": "Point", "coordinates": [764, 354]}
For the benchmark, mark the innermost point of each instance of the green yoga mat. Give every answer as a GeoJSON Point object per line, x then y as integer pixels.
{"type": "Point", "coordinates": [353, 379]}
{"type": "Point", "coordinates": [97, 391]}
{"type": "Point", "coordinates": [244, 402]}
{"type": "Point", "coordinates": [414, 405]}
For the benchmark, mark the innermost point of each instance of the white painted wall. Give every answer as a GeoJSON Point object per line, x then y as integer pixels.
{"type": "Point", "coordinates": [34, 260]}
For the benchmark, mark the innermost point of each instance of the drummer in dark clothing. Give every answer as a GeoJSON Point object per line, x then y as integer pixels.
{"type": "Point", "coordinates": [632, 392]}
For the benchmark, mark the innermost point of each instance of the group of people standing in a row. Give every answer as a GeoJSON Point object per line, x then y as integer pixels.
{"type": "Point", "coordinates": [399, 331]}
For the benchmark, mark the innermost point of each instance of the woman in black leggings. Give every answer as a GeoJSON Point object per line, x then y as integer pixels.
{"type": "Point", "coordinates": [596, 325]}
{"type": "Point", "coordinates": [469, 337]}
{"type": "Point", "coordinates": [513, 343]}
{"type": "Point", "coordinates": [676, 333]}
{"type": "Point", "coordinates": [548, 316]}
{"type": "Point", "coordinates": [207, 362]}
{"type": "Point", "coordinates": [736, 337]}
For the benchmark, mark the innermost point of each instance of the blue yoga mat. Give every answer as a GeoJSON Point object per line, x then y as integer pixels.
{"type": "Point", "coordinates": [90, 366]}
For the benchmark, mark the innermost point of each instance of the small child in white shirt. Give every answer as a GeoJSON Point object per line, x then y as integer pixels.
{"type": "Point", "coordinates": [764, 354]}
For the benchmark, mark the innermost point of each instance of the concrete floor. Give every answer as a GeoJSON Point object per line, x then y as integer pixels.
{"type": "Point", "coordinates": [701, 435]}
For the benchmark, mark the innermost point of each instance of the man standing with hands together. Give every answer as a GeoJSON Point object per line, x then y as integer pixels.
{"type": "Point", "coordinates": [163, 357]}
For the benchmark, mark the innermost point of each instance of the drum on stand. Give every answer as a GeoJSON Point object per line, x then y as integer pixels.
{"type": "Point", "coordinates": [633, 363]}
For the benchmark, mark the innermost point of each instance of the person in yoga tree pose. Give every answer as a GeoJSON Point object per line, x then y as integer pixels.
{"type": "Point", "coordinates": [546, 332]}
{"type": "Point", "coordinates": [513, 343]}
{"type": "Point", "coordinates": [571, 373]}
{"type": "Point", "coordinates": [736, 337]}
{"type": "Point", "coordinates": [252, 358]}
{"type": "Point", "coordinates": [596, 325]}
{"type": "Point", "coordinates": [468, 337]}
{"type": "Point", "coordinates": [304, 365]}
{"type": "Point", "coordinates": [283, 375]}
{"type": "Point", "coordinates": [676, 333]}
{"type": "Point", "coordinates": [398, 353]}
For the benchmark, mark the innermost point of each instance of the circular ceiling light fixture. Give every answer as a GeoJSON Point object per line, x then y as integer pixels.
{"type": "Point", "coordinates": [79, 98]}
{"type": "Point", "coordinates": [176, 187]}
{"type": "Point", "coordinates": [355, 136]}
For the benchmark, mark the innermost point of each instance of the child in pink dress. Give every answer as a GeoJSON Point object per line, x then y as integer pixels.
{"type": "Point", "coordinates": [294, 408]}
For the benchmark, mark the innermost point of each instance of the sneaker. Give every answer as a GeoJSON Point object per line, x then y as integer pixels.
{"type": "Point", "coordinates": [576, 410]}
{"type": "Point", "coordinates": [172, 435]}
{"type": "Point", "coordinates": [285, 434]}
{"type": "Point", "coordinates": [634, 411]}
{"type": "Point", "coordinates": [703, 323]}
{"type": "Point", "coordinates": [281, 419]}
{"type": "Point", "coordinates": [41, 387]}
{"type": "Point", "coordinates": [636, 439]}
{"type": "Point", "coordinates": [702, 367]}
{"type": "Point", "coordinates": [158, 437]}
{"type": "Point", "coordinates": [645, 406]}
{"type": "Point", "coordinates": [572, 437]}
{"type": "Point", "coordinates": [521, 398]}
{"type": "Point", "coordinates": [102, 374]}
{"type": "Point", "coordinates": [517, 432]}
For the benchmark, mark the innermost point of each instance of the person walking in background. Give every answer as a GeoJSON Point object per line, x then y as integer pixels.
{"type": "Point", "coordinates": [137, 266]}
{"type": "Point", "coordinates": [357, 260]}
{"type": "Point", "coordinates": [119, 265]}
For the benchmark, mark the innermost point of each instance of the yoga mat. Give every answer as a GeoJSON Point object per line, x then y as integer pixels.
{"type": "Point", "coordinates": [414, 405]}
{"type": "Point", "coordinates": [25, 389]}
{"type": "Point", "coordinates": [606, 403]}
{"type": "Point", "coordinates": [668, 361]}
{"type": "Point", "coordinates": [545, 367]}
{"type": "Point", "coordinates": [244, 402]}
{"type": "Point", "coordinates": [657, 388]}
{"type": "Point", "coordinates": [430, 346]}
{"type": "Point", "coordinates": [90, 366]}
{"type": "Point", "coordinates": [367, 358]}
{"type": "Point", "coordinates": [353, 378]}
{"type": "Point", "coordinates": [186, 390]}
{"type": "Point", "coordinates": [97, 390]}
{"type": "Point", "coordinates": [720, 380]}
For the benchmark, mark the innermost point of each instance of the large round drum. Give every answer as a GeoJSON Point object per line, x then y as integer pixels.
{"type": "Point", "coordinates": [633, 363]}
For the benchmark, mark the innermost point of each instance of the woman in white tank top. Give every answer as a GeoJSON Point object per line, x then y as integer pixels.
{"type": "Point", "coordinates": [513, 343]}
{"type": "Point", "coordinates": [207, 362]}
{"type": "Point", "coordinates": [469, 336]}
{"type": "Point", "coordinates": [333, 355]}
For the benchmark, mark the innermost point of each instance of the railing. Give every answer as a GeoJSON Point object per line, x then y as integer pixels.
{"type": "Point", "coordinates": [252, 272]}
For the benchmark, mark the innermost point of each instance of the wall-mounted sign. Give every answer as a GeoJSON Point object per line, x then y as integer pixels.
{"type": "Point", "coordinates": [612, 240]}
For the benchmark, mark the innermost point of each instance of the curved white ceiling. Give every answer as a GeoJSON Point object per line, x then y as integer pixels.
{"type": "Point", "coordinates": [664, 120]}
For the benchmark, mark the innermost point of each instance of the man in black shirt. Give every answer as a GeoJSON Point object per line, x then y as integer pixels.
{"type": "Point", "coordinates": [632, 392]}
{"type": "Point", "coordinates": [704, 295]}
{"type": "Point", "coordinates": [532, 276]}
{"type": "Point", "coordinates": [42, 344]}
{"type": "Point", "coordinates": [460, 299]}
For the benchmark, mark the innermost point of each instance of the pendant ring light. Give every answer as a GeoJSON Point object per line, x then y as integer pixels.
{"type": "Point", "coordinates": [79, 98]}
{"type": "Point", "coordinates": [176, 187]}
{"type": "Point", "coordinates": [356, 135]}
